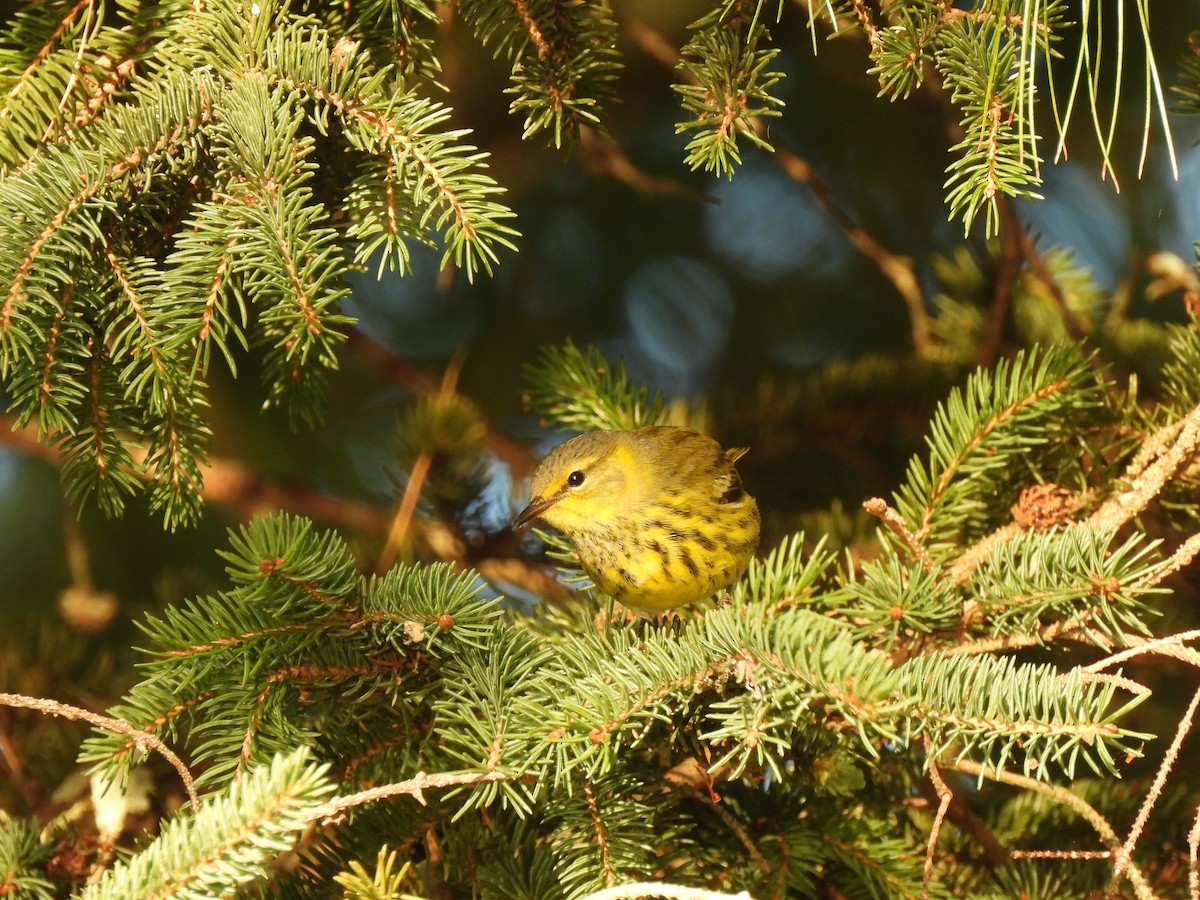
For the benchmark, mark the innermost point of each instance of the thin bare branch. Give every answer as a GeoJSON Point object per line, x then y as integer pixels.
{"type": "Point", "coordinates": [1125, 854]}
{"type": "Point", "coordinates": [879, 508]}
{"type": "Point", "coordinates": [1147, 485]}
{"type": "Point", "coordinates": [144, 741]}
{"type": "Point", "coordinates": [662, 889]}
{"type": "Point", "coordinates": [1063, 797]}
{"type": "Point", "coordinates": [945, 798]}
{"type": "Point", "coordinates": [414, 787]}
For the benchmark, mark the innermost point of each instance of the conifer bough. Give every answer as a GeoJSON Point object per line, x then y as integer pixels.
{"type": "Point", "coordinates": [182, 220]}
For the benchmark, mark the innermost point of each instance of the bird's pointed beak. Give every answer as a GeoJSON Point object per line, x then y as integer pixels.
{"type": "Point", "coordinates": [535, 508]}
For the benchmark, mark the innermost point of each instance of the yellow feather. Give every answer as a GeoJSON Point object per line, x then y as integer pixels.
{"type": "Point", "coordinates": [658, 515]}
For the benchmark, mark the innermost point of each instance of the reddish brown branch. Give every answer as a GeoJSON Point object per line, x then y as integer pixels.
{"type": "Point", "coordinates": [899, 270]}
{"type": "Point", "coordinates": [1002, 285]}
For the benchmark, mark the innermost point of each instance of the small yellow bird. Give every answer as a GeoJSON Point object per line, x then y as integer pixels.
{"type": "Point", "coordinates": [658, 515]}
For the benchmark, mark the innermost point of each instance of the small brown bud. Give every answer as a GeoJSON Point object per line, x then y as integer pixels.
{"type": "Point", "coordinates": [446, 621]}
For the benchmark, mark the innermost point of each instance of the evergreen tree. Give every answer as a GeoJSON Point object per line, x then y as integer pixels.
{"type": "Point", "coordinates": [957, 691]}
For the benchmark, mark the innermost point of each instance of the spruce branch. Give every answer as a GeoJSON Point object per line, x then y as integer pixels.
{"type": "Point", "coordinates": [1017, 713]}
{"type": "Point", "coordinates": [730, 87]}
{"type": "Point", "coordinates": [121, 144]}
{"type": "Point", "coordinates": [893, 606]}
{"type": "Point", "coordinates": [879, 508]}
{"type": "Point", "coordinates": [229, 840]}
{"type": "Point", "coordinates": [47, 52]}
{"type": "Point", "coordinates": [564, 59]}
{"type": "Point", "coordinates": [601, 837]}
{"type": "Point", "coordinates": [679, 779]}
{"type": "Point", "coordinates": [994, 419]}
{"type": "Point", "coordinates": [788, 576]}
{"type": "Point", "coordinates": [1187, 90]}
{"type": "Point", "coordinates": [439, 175]}
{"type": "Point", "coordinates": [996, 159]}
{"type": "Point", "coordinates": [580, 389]}
{"type": "Point", "coordinates": [1065, 629]}
{"type": "Point", "coordinates": [385, 883]}
{"type": "Point", "coordinates": [215, 131]}
{"type": "Point", "coordinates": [24, 853]}
{"type": "Point", "coordinates": [902, 51]}
{"type": "Point", "coordinates": [1075, 574]}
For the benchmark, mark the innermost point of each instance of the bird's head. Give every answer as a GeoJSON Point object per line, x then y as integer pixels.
{"type": "Point", "coordinates": [583, 483]}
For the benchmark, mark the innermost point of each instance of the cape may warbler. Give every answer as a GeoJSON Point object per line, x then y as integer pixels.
{"type": "Point", "coordinates": [658, 515]}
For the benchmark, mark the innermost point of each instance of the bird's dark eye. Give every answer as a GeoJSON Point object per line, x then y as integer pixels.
{"type": "Point", "coordinates": [575, 479]}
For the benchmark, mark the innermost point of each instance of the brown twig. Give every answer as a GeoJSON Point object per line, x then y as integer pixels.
{"type": "Point", "coordinates": [515, 454]}
{"type": "Point", "coordinates": [1164, 646]}
{"type": "Point", "coordinates": [398, 531]}
{"type": "Point", "coordinates": [963, 817]}
{"type": "Point", "coordinates": [1006, 274]}
{"type": "Point", "coordinates": [402, 520]}
{"type": "Point", "coordinates": [1122, 507]}
{"type": "Point", "coordinates": [1193, 841]}
{"type": "Point", "coordinates": [722, 812]}
{"type": "Point", "coordinates": [1064, 797]}
{"type": "Point", "coordinates": [1077, 326]}
{"type": "Point", "coordinates": [867, 22]}
{"type": "Point", "coordinates": [142, 740]}
{"type": "Point", "coordinates": [663, 890]}
{"type": "Point", "coordinates": [1183, 556]}
{"type": "Point", "coordinates": [968, 561]}
{"type": "Point", "coordinates": [229, 483]}
{"type": "Point", "coordinates": [1073, 855]}
{"type": "Point", "coordinates": [945, 798]}
{"type": "Point", "coordinates": [414, 787]}
{"type": "Point", "coordinates": [605, 157]}
{"type": "Point", "coordinates": [898, 269]}
{"type": "Point", "coordinates": [1064, 629]}
{"type": "Point", "coordinates": [1125, 854]}
{"type": "Point", "coordinates": [608, 873]}
{"type": "Point", "coordinates": [879, 508]}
